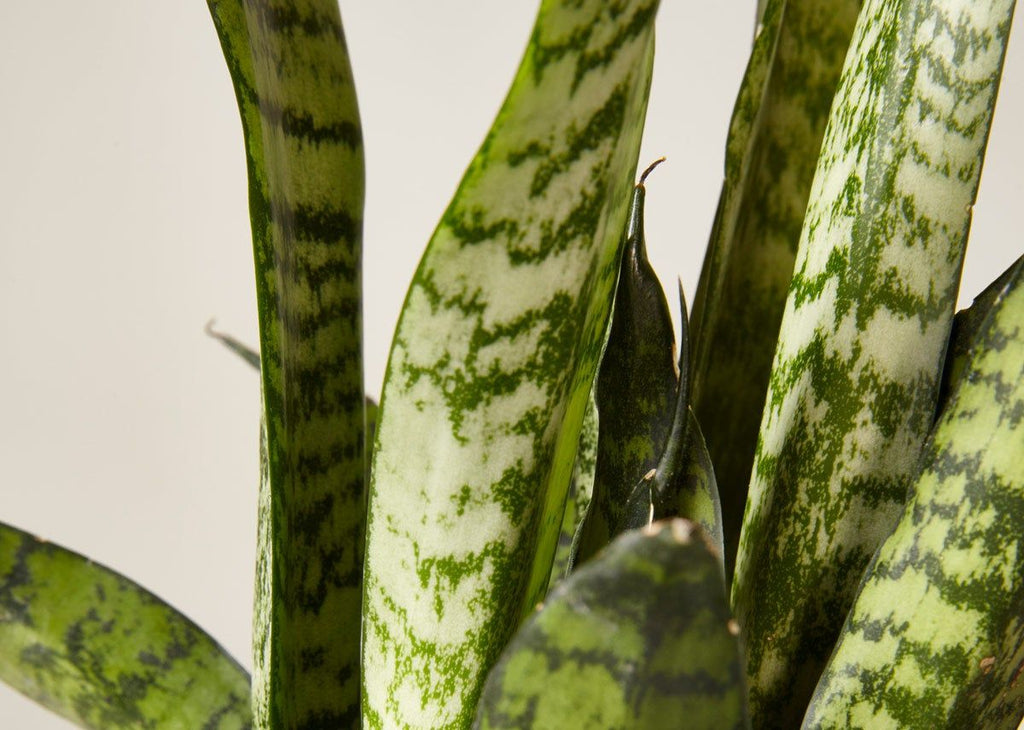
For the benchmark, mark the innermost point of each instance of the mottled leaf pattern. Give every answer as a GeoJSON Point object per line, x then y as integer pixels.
{"type": "Point", "coordinates": [965, 327]}
{"type": "Point", "coordinates": [774, 139]}
{"type": "Point", "coordinates": [492, 364]}
{"type": "Point", "coordinates": [855, 378]}
{"type": "Point", "coordinates": [104, 652]}
{"type": "Point", "coordinates": [639, 638]}
{"type": "Point", "coordinates": [636, 390]}
{"type": "Point", "coordinates": [936, 636]}
{"type": "Point", "coordinates": [303, 146]}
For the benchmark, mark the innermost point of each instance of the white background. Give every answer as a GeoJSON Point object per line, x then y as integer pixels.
{"type": "Point", "coordinates": [129, 435]}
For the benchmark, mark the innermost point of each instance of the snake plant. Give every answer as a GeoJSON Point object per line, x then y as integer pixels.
{"type": "Point", "coordinates": [800, 506]}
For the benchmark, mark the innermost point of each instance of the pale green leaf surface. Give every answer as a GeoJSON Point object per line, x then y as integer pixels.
{"type": "Point", "coordinates": [303, 145]}
{"type": "Point", "coordinates": [774, 139]}
{"type": "Point", "coordinates": [103, 652]}
{"type": "Point", "coordinates": [639, 638]}
{"type": "Point", "coordinates": [492, 364]}
{"type": "Point", "coordinates": [936, 636]}
{"type": "Point", "coordinates": [855, 378]}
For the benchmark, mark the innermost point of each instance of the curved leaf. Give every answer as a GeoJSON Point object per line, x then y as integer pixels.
{"type": "Point", "coordinates": [104, 652]}
{"type": "Point", "coordinates": [936, 636]}
{"type": "Point", "coordinates": [236, 346]}
{"type": "Point", "coordinates": [855, 378]}
{"type": "Point", "coordinates": [304, 153]}
{"type": "Point", "coordinates": [639, 638]}
{"type": "Point", "coordinates": [492, 365]}
{"type": "Point", "coordinates": [774, 139]}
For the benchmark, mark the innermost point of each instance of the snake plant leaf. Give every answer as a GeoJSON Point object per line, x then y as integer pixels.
{"type": "Point", "coordinates": [492, 364]}
{"type": "Point", "coordinates": [300, 121]}
{"type": "Point", "coordinates": [236, 346]}
{"type": "Point", "coordinates": [965, 327]}
{"type": "Point", "coordinates": [577, 501]}
{"type": "Point", "coordinates": [103, 652]}
{"type": "Point", "coordinates": [636, 390]}
{"type": "Point", "coordinates": [855, 379]}
{"type": "Point", "coordinates": [936, 636]}
{"type": "Point", "coordinates": [773, 144]}
{"type": "Point", "coordinates": [640, 637]}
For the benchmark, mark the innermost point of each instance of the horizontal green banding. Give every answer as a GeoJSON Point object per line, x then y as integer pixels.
{"type": "Point", "coordinates": [774, 138]}
{"type": "Point", "coordinates": [936, 636]}
{"type": "Point", "coordinates": [636, 391]}
{"type": "Point", "coordinates": [290, 68]}
{"type": "Point", "coordinates": [492, 364]}
{"type": "Point", "coordinates": [639, 637]}
{"type": "Point", "coordinates": [103, 652]}
{"type": "Point", "coordinates": [856, 372]}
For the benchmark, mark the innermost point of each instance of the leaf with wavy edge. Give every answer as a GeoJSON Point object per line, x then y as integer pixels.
{"type": "Point", "coordinates": [639, 637]}
{"type": "Point", "coordinates": [855, 378]}
{"type": "Point", "coordinates": [492, 365]}
{"type": "Point", "coordinates": [774, 139]}
{"type": "Point", "coordinates": [304, 154]}
{"type": "Point", "coordinates": [936, 636]}
{"type": "Point", "coordinates": [103, 652]}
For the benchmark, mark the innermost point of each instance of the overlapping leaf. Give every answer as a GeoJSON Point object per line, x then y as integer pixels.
{"type": "Point", "coordinates": [303, 146]}
{"type": "Point", "coordinates": [856, 372]}
{"type": "Point", "coordinates": [104, 652]}
{"type": "Point", "coordinates": [936, 636]}
{"type": "Point", "coordinates": [773, 144]}
{"type": "Point", "coordinates": [492, 365]}
{"type": "Point", "coordinates": [639, 638]}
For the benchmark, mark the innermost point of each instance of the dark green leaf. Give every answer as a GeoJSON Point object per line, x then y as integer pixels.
{"type": "Point", "coordinates": [243, 351]}
{"type": "Point", "coordinates": [304, 151]}
{"type": "Point", "coordinates": [638, 638]}
{"type": "Point", "coordinates": [104, 652]}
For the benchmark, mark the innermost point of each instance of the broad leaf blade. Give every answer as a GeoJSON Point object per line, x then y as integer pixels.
{"type": "Point", "coordinates": [639, 638]}
{"type": "Point", "coordinates": [855, 379]}
{"type": "Point", "coordinates": [293, 83]}
{"type": "Point", "coordinates": [936, 636]}
{"type": "Point", "coordinates": [774, 139]}
{"type": "Point", "coordinates": [104, 652]}
{"type": "Point", "coordinates": [492, 365]}
{"type": "Point", "coordinates": [636, 390]}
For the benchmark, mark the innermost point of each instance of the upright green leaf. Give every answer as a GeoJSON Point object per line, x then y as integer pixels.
{"type": "Point", "coordinates": [936, 637]}
{"type": "Point", "coordinates": [636, 389]}
{"type": "Point", "coordinates": [104, 652]}
{"type": "Point", "coordinates": [492, 364]}
{"type": "Point", "coordinates": [856, 373]}
{"type": "Point", "coordinates": [304, 153]}
{"type": "Point", "coordinates": [774, 139]}
{"type": "Point", "coordinates": [639, 638]}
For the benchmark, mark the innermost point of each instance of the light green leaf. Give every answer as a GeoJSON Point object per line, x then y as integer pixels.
{"type": "Point", "coordinates": [636, 391]}
{"type": "Point", "coordinates": [773, 144]}
{"type": "Point", "coordinates": [936, 636]}
{"type": "Point", "coordinates": [855, 379]}
{"type": "Point", "coordinates": [965, 328]}
{"type": "Point", "coordinates": [492, 365]}
{"type": "Point", "coordinates": [638, 638]}
{"type": "Point", "coordinates": [303, 147]}
{"type": "Point", "coordinates": [104, 652]}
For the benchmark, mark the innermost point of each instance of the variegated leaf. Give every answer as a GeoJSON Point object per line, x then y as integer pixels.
{"type": "Point", "coordinates": [303, 146]}
{"type": "Point", "coordinates": [639, 638]}
{"type": "Point", "coordinates": [103, 652]}
{"type": "Point", "coordinates": [855, 378]}
{"type": "Point", "coordinates": [492, 364]}
{"type": "Point", "coordinates": [936, 636]}
{"type": "Point", "coordinates": [636, 390]}
{"type": "Point", "coordinates": [774, 139]}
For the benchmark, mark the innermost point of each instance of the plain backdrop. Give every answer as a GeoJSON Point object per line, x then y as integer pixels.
{"type": "Point", "coordinates": [129, 435]}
